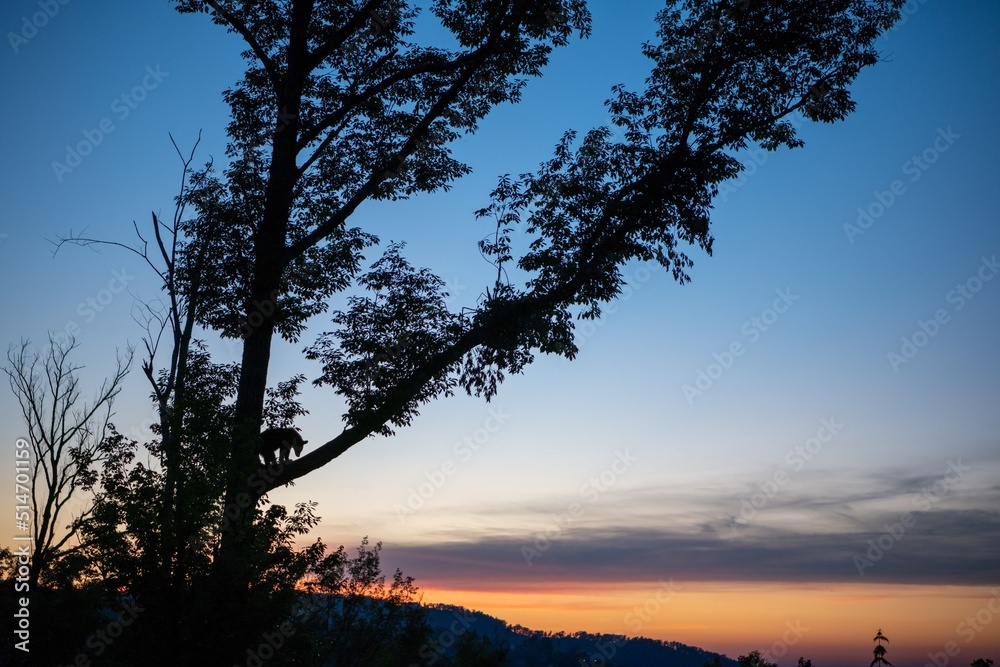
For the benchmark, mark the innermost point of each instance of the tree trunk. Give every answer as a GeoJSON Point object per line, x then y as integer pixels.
{"type": "Point", "coordinates": [233, 567]}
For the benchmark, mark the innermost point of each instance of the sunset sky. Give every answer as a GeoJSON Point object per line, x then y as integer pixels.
{"type": "Point", "coordinates": [800, 444]}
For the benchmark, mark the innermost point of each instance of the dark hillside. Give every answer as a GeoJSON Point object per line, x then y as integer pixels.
{"type": "Point", "coordinates": [534, 648]}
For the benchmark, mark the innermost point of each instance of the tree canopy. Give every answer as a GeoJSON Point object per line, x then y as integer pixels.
{"type": "Point", "coordinates": [341, 103]}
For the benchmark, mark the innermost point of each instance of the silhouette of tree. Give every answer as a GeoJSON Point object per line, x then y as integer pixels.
{"type": "Point", "coordinates": [341, 104]}
{"type": "Point", "coordinates": [174, 507]}
{"type": "Point", "coordinates": [879, 650]}
{"type": "Point", "coordinates": [754, 659]}
{"type": "Point", "coordinates": [356, 618]}
{"type": "Point", "coordinates": [124, 535]}
{"type": "Point", "coordinates": [64, 437]}
{"type": "Point", "coordinates": [981, 662]}
{"type": "Point", "coordinates": [473, 650]}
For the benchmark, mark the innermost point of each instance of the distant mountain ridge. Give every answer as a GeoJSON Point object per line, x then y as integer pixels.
{"type": "Point", "coordinates": [535, 648]}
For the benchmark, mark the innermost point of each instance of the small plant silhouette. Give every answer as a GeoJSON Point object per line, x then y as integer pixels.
{"type": "Point", "coordinates": [879, 651]}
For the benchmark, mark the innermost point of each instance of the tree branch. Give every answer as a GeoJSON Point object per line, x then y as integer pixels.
{"type": "Point", "coordinates": [352, 103]}
{"type": "Point", "coordinates": [241, 27]}
{"type": "Point", "coordinates": [376, 179]}
{"type": "Point", "coordinates": [321, 53]}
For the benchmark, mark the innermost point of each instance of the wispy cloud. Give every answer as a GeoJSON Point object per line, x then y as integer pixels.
{"type": "Point", "coordinates": [945, 547]}
{"type": "Point", "coordinates": [811, 532]}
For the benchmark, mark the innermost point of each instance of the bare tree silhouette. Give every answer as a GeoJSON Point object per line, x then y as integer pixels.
{"type": "Point", "coordinates": [879, 651]}
{"type": "Point", "coordinates": [64, 436]}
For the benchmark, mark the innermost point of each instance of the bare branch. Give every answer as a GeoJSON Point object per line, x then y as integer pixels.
{"type": "Point", "coordinates": [64, 436]}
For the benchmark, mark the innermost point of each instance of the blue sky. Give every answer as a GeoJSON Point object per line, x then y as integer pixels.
{"type": "Point", "coordinates": [924, 136]}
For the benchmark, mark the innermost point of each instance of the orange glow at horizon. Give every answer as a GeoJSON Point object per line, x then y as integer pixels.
{"type": "Point", "coordinates": [823, 622]}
